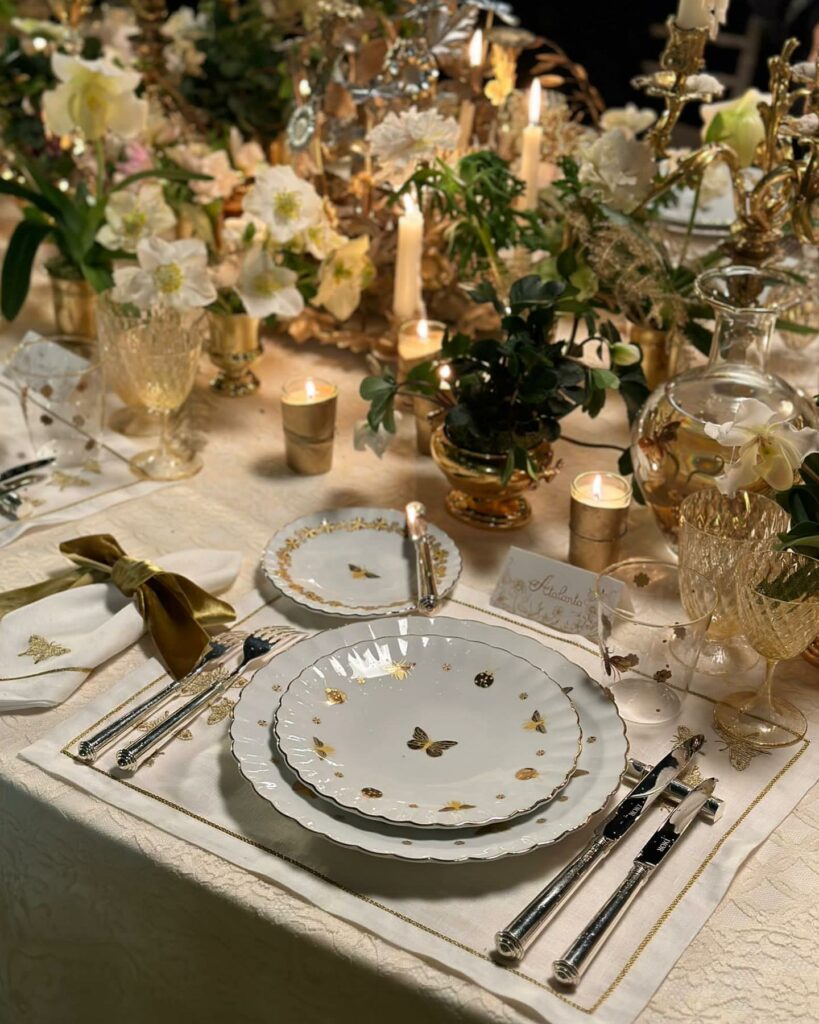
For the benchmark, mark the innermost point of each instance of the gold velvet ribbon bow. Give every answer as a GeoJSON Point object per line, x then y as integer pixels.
{"type": "Point", "coordinates": [175, 609]}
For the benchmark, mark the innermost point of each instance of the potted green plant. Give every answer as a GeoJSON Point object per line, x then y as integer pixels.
{"type": "Point", "coordinates": [500, 400]}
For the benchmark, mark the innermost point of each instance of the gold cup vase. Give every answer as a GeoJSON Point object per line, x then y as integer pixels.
{"type": "Point", "coordinates": [234, 344]}
{"type": "Point", "coordinates": [479, 496]}
{"type": "Point", "coordinates": [75, 307]}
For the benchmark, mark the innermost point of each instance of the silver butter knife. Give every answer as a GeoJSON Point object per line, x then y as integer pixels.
{"type": "Point", "coordinates": [24, 468]}
{"type": "Point", "coordinates": [512, 942]}
{"type": "Point", "coordinates": [427, 588]}
{"type": "Point", "coordinates": [257, 650]}
{"type": "Point", "coordinates": [220, 650]}
{"type": "Point", "coordinates": [570, 967]}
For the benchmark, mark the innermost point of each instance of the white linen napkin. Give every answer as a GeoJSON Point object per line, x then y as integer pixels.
{"type": "Point", "coordinates": [49, 647]}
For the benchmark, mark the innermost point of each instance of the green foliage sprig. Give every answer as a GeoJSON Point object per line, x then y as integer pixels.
{"type": "Point", "coordinates": [508, 395]}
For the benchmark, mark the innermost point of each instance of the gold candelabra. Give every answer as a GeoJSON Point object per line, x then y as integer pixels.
{"type": "Point", "coordinates": [786, 186]}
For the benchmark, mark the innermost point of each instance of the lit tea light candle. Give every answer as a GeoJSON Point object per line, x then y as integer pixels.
{"type": "Point", "coordinates": [530, 153]}
{"type": "Point", "coordinates": [418, 342]}
{"type": "Point", "coordinates": [598, 519]}
{"type": "Point", "coordinates": [309, 421]}
{"type": "Point", "coordinates": [466, 120]}
{"type": "Point", "coordinates": [407, 300]}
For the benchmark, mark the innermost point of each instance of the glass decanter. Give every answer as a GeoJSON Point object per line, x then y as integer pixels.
{"type": "Point", "coordinates": [671, 452]}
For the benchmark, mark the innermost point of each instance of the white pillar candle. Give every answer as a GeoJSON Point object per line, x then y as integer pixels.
{"type": "Point", "coordinates": [466, 120]}
{"type": "Point", "coordinates": [530, 154]}
{"type": "Point", "coordinates": [407, 300]}
{"type": "Point", "coordinates": [694, 13]}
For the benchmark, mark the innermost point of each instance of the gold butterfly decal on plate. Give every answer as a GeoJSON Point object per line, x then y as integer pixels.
{"type": "Point", "coordinates": [433, 748]}
{"type": "Point", "coordinates": [359, 573]}
{"type": "Point", "coordinates": [455, 805]}
{"type": "Point", "coordinates": [322, 749]}
{"type": "Point", "coordinates": [400, 669]}
{"type": "Point", "coordinates": [335, 696]}
{"type": "Point", "coordinates": [536, 723]}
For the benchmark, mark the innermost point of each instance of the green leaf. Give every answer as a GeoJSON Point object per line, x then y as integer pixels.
{"type": "Point", "coordinates": [16, 275]}
{"type": "Point", "coordinates": [11, 188]}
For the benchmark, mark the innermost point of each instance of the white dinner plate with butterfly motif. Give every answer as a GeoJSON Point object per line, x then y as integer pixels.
{"type": "Point", "coordinates": [594, 782]}
{"type": "Point", "coordinates": [429, 731]}
{"type": "Point", "coordinates": [355, 562]}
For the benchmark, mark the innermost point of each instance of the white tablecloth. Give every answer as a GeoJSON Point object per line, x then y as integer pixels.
{"type": "Point", "coordinates": [103, 917]}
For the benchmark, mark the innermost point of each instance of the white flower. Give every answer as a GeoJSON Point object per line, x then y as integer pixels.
{"type": "Point", "coordinates": [619, 168]}
{"type": "Point", "coordinates": [285, 202]}
{"type": "Point", "coordinates": [95, 97]}
{"type": "Point", "coordinates": [630, 118]}
{"type": "Point", "coordinates": [625, 354]}
{"type": "Point", "coordinates": [321, 239]}
{"type": "Point", "coordinates": [40, 27]}
{"type": "Point", "coordinates": [716, 181]}
{"type": "Point", "coordinates": [201, 159]}
{"type": "Point", "coordinates": [343, 277]}
{"type": "Point", "coordinates": [240, 232]}
{"type": "Point", "coordinates": [737, 123]}
{"type": "Point", "coordinates": [401, 140]}
{"type": "Point", "coordinates": [115, 28]}
{"type": "Point", "coordinates": [247, 156]}
{"type": "Point", "coordinates": [703, 87]}
{"type": "Point", "coordinates": [183, 28]}
{"type": "Point", "coordinates": [131, 216]}
{"type": "Point", "coordinates": [768, 448]}
{"type": "Point", "coordinates": [266, 289]}
{"type": "Point", "coordinates": [169, 274]}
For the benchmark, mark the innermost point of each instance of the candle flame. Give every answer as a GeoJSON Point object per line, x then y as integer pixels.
{"type": "Point", "coordinates": [534, 102]}
{"type": "Point", "coordinates": [423, 329]}
{"type": "Point", "coordinates": [597, 488]}
{"type": "Point", "coordinates": [310, 389]}
{"type": "Point", "coordinates": [476, 49]}
{"type": "Point", "coordinates": [304, 88]}
{"type": "Point", "coordinates": [445, 373]}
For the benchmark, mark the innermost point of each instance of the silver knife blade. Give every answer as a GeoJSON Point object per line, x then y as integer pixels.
{"type": "Point", "coordinates": [570, 967]}
{"type": "Point", "coordinates": [24, 468]}
{"type": "Point", "coordinates": [512, 942]}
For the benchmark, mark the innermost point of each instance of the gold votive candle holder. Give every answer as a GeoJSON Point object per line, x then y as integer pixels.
{"type": "Point", "coordinates": [598, 519]}
{"type": "Point", "coordinates": [419, 341]}
{"type": "Point", "coordinates": [309, 421]}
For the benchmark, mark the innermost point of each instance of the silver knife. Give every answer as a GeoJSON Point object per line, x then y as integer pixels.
{"type": "Point", "coordinates": [569, 968]}
{"type": "Point", "coordinates": [512, 942]}
{"type": "Point", "coordinates": [25, 467]}
{"type": "Point", "coordinates": [427, 589]}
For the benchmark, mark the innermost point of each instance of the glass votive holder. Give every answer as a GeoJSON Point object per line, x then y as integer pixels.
{"type": "Point", "coordinates": [309, 422]}
{"type": "Point", "coordinates": [419, 341]}
{"type": "Point", "coordinates": [598, 519]}
{"type": "Point", "coordinates": [650, 639]}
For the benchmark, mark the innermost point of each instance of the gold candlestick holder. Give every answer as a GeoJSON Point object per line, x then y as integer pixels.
{"type": "Point", "coordinates": [309, 421]}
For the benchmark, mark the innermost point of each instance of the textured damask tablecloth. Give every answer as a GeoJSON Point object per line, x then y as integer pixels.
{"type": "Point", "coordinates": [105, 918]}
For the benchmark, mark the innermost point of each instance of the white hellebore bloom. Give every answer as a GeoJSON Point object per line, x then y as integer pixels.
{"type": "Point", "coordinates": [183, 28]}
{"type": "Point", "coordinates": [768, 448]}
{"type": "Point", "coordinates": [343, 277]}
{"type": "Point", "coordinates": [401, 140]}
{"type": "Point", "coordinates": [131, 216]}
{"type": "Point", "coordinates": [95, 97]}
{"type": "Point", "coordinates": [285, 202]}
{"type": "Point", "coordinates": [321, 239]}
{"type": "Point", "coordinates": [630, 118]}
{"type": "Point", "coordinates": [620, 169]}
{"type": "Point", "coordinates": [266, 288]}
{"type": "Point", "coordinates": [169, 274]}
{"type": "Point", "coordinates": [247, 156]}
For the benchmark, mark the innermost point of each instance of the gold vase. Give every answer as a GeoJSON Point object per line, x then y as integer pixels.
{"type": "Point", "coordinates": [75, 307]}
{"type": "Point", "coordinates": [656, 348]}
{"type": "Point", "coordinates": [478, 496]}
{"type": "Point", "coordinates": [234, 345]}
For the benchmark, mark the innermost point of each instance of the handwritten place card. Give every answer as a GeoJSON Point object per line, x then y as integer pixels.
{"type": "Point", "coordinates": [556, 594]}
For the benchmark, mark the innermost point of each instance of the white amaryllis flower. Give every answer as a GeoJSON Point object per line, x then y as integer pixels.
{"type": "Point", "coordinates": [631, 118]}
{"type": "Point", "coordinates": [738, 123]}
{"type": "Point", "coordinates": [620, 169]}
{"type": "Point", "coordinates": [285, 202]}
{"type": "Point", "coordinates": [343, 277]}
{"type": "Point", "coordinates": [767, 448]}
{"type": "Point", "coordinates": [266, 288]}
{"type": "Point", "coordinates": [401, 140]}
{"type": "Point", "coordinates": [95, 97]}
{"type": "Point", "coordinates": [247, 156]}
{"type": "Point", "coordinates": [132, 216]}
{"type": "Point", "coordinates": [169, 274]}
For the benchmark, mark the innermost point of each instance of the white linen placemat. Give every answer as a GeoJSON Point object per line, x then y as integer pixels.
{"type": "Point", "coordinates": [106, 480]}
{"type": "Point", "coordinates": [449, 914]}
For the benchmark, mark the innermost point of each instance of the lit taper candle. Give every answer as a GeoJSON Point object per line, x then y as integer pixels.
{"type": "Point", "coordinates": [530, 153]}
{"type": "Point", "coordinates": [466, 121]}
{"type": "Point", "coordinates": [407, 300]}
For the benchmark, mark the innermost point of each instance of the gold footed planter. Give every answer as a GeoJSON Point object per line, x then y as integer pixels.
{"type": "Point", "coordinates": [75, 307]}
{"type": "Point", "coordinates": [478, 497]}
{"type": "Point", "coordinates": [658, 351]}
{"type": "Point", "coordinates": [234, 345]}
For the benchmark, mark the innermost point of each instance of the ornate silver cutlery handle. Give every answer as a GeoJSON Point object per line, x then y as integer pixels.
{"type": "Point", "coordinates": [427, 586]}
{"type": "Point", "coordinates": [220, 650]}
{"type": "Point", "coordinates": [512, 942]}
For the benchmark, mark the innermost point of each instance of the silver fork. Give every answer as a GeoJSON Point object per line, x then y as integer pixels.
{"type": "Point", "coordinates": [221, 648]}
{"type": "Point", "coordinates": [258, 648]}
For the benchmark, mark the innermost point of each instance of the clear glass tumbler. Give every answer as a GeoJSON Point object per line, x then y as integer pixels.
{"type": "Point", "coordinates": [649, 639]}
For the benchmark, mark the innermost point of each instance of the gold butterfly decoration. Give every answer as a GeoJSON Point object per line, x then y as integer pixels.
{"type": "Point", "coordinates": [41, 649]}
{"type": "Point", "coordinates": [433, 748]}
{"type": "Point", "coordinates": [524, 774]}
{"type": "Point", "coordinates": [219, 711]}
{"type": "Point", "coordinates": [322, 749]}
{"type": "Point", "coordinates": [371, 793]}
{"type": "Point", "coordinates": [400, 669]}
{"type": "Point", "coordinates": [335, 696]}
{"type": "Point", "coordinates": [662, 675]}
{"type": "Point", "coordinates": [536, 723]}
{"type": "Point", "coordinates": [359, 573]}
{"type": "Point", "coordinates": [614, 664]}
{"type": "Point", "coordinates": [455, 805]}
